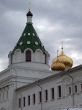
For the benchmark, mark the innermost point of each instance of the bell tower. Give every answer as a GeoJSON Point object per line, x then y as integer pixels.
{"type": "Point", "coordinates": [28, 62]}
{"type": "Point", "coordinates": [29, 50]}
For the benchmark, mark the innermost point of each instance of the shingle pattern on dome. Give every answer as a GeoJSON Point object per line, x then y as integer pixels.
{"type": "Point", "coordinates": [29, 35]}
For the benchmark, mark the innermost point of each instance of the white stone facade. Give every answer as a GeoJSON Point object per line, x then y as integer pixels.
{"type": "Point", "coordinates": [66, 80]}
{"type": "Point", "coordinates": [18, 75]}
{"type": "Point", "coordinates": [36, 57]}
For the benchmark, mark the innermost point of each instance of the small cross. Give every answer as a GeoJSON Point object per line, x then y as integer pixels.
{"type": "Point", "coordinates": [62, 45]}
{"type": "Point", "coordinates": [57, 53]}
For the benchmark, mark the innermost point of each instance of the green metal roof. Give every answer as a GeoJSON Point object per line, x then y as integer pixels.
{"type": "Point", "coordinates": [29, 39]}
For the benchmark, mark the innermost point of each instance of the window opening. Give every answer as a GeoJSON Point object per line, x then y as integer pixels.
{"type": "Point", "coordinates": [40, 96]}
{"type": "Point", "coordinates": [46, 95]}
{"type": "Point", "coordinates": [28, 100]}
{"type": "Point", "coordinates": [19, 102]}
{"type": "Point", "coordinates": [52, 93]}
{"type": "Point", "coordinates": [59, 91]}
{"type": "Point", "coordinates": [28, 56]}
{"type": "Point", "coordinates": [24, 101]}
{"type": "Point", "coordinates": [75, 88]}
{"type": "Point", "coordinates": [33, 98]}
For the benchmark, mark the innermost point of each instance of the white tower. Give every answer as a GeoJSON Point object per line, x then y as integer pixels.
{"type": "Point", "coordinates": [29, 50]}
{"type": "Point", "coordinates": [28, 62]}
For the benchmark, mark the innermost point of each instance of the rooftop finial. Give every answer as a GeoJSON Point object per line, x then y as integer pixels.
{"type": "Point", "coordinates": [57, 53]}
{"type": "Point", "coordinates": [62, 45]}
{"type": "Point", "coordinates": [29, 8]}
{"type": "Point", "coordinates": [62, 48]}
{"type": "Point", "coordinates": [29, 14]}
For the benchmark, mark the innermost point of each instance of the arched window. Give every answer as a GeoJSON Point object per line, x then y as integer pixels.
{"type": "Point", "coordinates": [28, 56]}
{"type": "Point", "coordinates": [45, 59]}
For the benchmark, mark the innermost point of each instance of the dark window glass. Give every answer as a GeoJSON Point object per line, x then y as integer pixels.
{"type": "Point", "coordinates": [81, 87]}
{"type": "Point", "coordinates": [46, 95]}
{"type": "Point", "coordinates": [0, 96]}
{"type": "Point", "coordinates": [59, 91]}
{"type": "Point", "coordinates": [24, 101]}
{"type": "Point", "coordinates": [28, 56]}
{"type": "Point", "coordinates": [19, 102]}
{"type": "Point", "coordinates": [28, 100]}
{"type": "Point", "coordinates": [40, 96]}
{"type": "Point", "coordinates": [52, 93]}
{"type": "Point", "coordinates": [45, 59]}
{"type": "Point", "coordinates": [34, 99]}
{"type": "Point", "coordinates": [75, 88]}
{"type": "Point", "coordinates": [69, 90]}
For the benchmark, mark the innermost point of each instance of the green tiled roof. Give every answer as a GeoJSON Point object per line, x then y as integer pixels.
{"type": "Point", "coordinates": [29, 39]}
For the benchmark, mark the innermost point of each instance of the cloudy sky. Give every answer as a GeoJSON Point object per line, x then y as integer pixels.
{"type": "Point", "coordinates": [54, 20]}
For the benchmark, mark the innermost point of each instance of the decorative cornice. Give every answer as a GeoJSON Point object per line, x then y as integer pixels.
{"type": "Point", "coordinates": [31, 69]}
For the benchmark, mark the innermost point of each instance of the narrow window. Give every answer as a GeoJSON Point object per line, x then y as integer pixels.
{"type": "Point", "coordinates": [40, 96]}
{"type": "Point", "coordinates": [28, 100]}
{"type": "Point", "coordinates": [3, 96]}
{"type": "Point", "coordinates": [28, 56]}
{"type": "Point", "coordinates": [0, 96]}
{"type": "Point", "coordinates": [81, 87]}
{"type": "Point", "coordinates": [24, 100]}
{"type": "Point", "coordinates": [46, 95]}
{"type": "Point", "coordinates": [52, 93]}
{"type": "Point", "coordinates": [7, 95]}
{"type": "Point", "coordinates": [59, 91]}
{"type": "Point", "coordinates": [45, 59]}
{"type": "Point", "coordinates": [19, 103]}
{"type": "Point", "coordinates": [75, 88]}
{"type": "Point", "coordinates": [34, 99]}
{"type": "Point", "coordinates": [69, 90]}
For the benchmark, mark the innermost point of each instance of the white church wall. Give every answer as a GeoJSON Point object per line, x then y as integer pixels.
{"type": "Point", "coordinates": [6, 99]}
{"type": "Point", "coordinates": [18, 57]}
{"type": "Point", "coordinates": [4, 74]}
{"type": "Point", "coordinates": [39, 56]}
{"type": "Point", "coordinates": [33, 66]}
{"type": "Point", "coordinates": [66, 99]}
{"type": "Point", "coordinates": [31, 73]}
{"type": "Point", "coordinates": [27, 75]}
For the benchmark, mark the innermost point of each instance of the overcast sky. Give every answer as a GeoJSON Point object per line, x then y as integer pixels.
{"type": "Point", "coordinates": [54, 20]}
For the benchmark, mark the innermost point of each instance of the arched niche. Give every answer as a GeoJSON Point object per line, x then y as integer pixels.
{"type": "Point", "coordinates": [17, 56]}
{"type": "Point", "coordinates": [39, 56]}
{"type": "Point", "coordinates": [28, 55]}
{"type": "Point", "coordinates": [17, 51]}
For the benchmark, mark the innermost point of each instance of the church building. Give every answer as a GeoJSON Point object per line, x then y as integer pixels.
{"type": "Point", "coordinates": [29, 83]}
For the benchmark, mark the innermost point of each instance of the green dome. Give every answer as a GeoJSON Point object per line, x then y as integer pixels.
{"type": "Point", "coordinates": [29, 39]}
